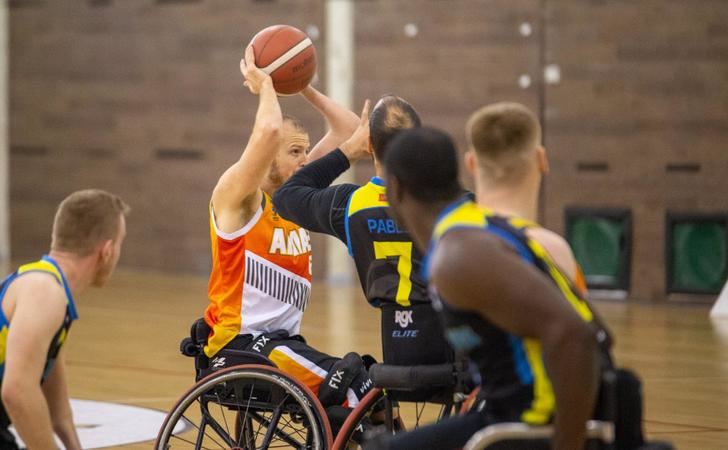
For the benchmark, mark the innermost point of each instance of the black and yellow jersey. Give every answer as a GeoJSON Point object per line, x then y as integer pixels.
{"type": "Point", "coordinates": [514, 380]}
{"type": "Point", "coordinates": [47, 265]}
{"type": "Point", "coordinates": [387, 262]}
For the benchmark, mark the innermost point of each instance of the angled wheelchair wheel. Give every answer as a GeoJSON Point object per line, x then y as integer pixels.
{"type": "Point", "coordinates": [376, 414]}
{"type": "Point", "coordinates": [249, 407]}
{"type": "Point", "coordinates": [353, 428]}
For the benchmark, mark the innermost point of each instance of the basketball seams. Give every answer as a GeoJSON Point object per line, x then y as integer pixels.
{"type": "Point", "coordinates": [287, 56]}
{"type": "Point", "coordinates": [290, 59]}
{"type": "Point", "coordinates": [269, 40]}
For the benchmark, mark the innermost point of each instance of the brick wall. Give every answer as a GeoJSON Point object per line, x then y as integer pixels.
{"type": "Point", "coordinates": [140, 97]}
{"type": "Point", "coordinates": [144, 98]}
{"type": "Point", "coordinates": [644, 92]}
{"type": "Point", "coordinates": [465, 54]}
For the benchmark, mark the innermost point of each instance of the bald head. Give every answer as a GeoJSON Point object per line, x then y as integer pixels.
{"type": "Point", "coordinates": [390, 115]}
{"type": "Point", "coordinates": [503, 137]}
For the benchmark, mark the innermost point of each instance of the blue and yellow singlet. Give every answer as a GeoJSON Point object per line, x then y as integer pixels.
{"type": "Point", "coordinates": [47, 265]}
{"type": "Point", "coordinates": [514, 380]}
{"type": "Point", "coordinates": [387, 262]}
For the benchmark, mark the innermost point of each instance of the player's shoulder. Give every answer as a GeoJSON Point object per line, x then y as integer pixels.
{"type": "Point", "coordinates": [548, 238]}
{"type": "Point", "coordinates": [347, 189]}
{"type": "Point", "coordinates": [462, 246]}
{"type": "Point", "coordinates": [37, 302]}
{"type": "Point", "coordinates": [556, 246]}
{"type": "Point", "coordinates": [39, 284]}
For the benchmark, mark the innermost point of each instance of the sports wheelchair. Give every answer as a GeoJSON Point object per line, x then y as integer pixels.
{"type": "Point", "coordinates": [405, 397]}
{"type": "Point", "coordinates": [616, 426]}
{"type": "Point", "coordinates": [253, 405]}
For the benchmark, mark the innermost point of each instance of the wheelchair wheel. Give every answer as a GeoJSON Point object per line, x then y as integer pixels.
{"type": "Point", "coordinates": [249, 407]}
{"type": "Point", "coordinates": [353, 428]}
{"type": "Point", "coordinates": [374, 415]}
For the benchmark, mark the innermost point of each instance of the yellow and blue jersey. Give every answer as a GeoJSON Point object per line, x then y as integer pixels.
{"type": "Point", "coordinates": [387, 262]}
{"type": "Point", "coordinates": [514, 379]}
{"type": "Point", "coordinates": [389, 268]}
{"type": "Point", "coordinates": [46, 265]}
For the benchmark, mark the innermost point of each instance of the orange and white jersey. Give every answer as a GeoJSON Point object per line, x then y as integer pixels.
{"type": "Point", "coordinates": [260, 280]}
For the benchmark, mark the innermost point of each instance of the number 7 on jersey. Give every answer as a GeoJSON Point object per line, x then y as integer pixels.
{"type": "Point", "coordinates": [403, 250]}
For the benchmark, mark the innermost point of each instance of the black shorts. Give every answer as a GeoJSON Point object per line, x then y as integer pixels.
{"type": "Point", "coordinates": [293, 356]}
{"type": "Point", "coordinates": [413, 335]}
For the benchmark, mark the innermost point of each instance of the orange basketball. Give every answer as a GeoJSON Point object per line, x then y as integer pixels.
{"type": "Point", "coordinates": [287, 55]}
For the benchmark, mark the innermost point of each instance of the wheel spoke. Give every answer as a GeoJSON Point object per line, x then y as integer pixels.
{"type": "Point", "coordinates": [215, 425]}
{"type": "Point", "coordinates": [190, 442]}
{"type": "Point", "coordinates": [283, 436]}
{"type": "Point", "coordinates": [222, 412]}
{"type": "Point", "coordinates": [418, 413]}
{"type": "Point", "coordinates": [201, 433]}
{"type": "Point", "coordinates": [267, 410]}
{"type": "Point", "coordinates": [272, 425]}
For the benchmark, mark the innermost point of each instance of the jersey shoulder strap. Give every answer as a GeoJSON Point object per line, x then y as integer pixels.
{"type": "Point", "coordinates": [371, 195]}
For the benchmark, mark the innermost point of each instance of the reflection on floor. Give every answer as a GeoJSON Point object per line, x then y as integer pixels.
{"type": "Point", "coordinates": [125, 349]}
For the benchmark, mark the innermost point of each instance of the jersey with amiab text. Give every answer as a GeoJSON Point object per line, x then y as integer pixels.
{"type": "Point", "coordinates": [514, 379]}
{"type": "Point", "coordinates": [45, 265]}
{"type": "Point", "coordinates": [387, 262]}
{"type": "Point", "coordinates": [260, 280]}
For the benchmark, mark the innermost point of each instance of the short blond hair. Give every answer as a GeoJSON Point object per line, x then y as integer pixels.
{"type": "Point", "coordinates": [501, 135]}
{"type": "Point", "coordinates": [86, 218]}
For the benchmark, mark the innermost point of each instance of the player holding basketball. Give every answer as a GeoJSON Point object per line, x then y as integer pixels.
{"type": "Point", "coordinates": [387, 262]}
{"type": "Point", "coordinates": [531, 335]}
{"type": "Point", "coordinates": [261, 275]}
{"type": "Point", "coordinates": [38, 309]}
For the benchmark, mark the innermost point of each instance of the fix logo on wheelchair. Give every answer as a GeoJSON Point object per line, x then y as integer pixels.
{"type": "Point", "coordinates": [260, 343]}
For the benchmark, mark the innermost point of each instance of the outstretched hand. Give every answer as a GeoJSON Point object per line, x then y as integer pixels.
{"type": "Point", "coordinates": [255, 78]}
{"type": "Point", "coordinates": [357, 146]}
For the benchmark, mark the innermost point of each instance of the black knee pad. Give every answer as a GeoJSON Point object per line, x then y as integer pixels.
{"type": "Point", "coordinates": [342, 374]}
{"type": "Point", "coordinates": [200, 331]}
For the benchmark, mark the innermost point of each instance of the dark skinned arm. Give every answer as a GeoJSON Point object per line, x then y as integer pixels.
{"type": "Point", "coordinates": [476, 271]}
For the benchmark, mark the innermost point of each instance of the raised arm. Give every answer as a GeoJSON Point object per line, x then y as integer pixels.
{"type": "Point", "coordinates": [237, 195]}
{"type": "Point", "coordinates": [476, 272]}
{"type": "Point", "coordinates": [308, 200]}
{"type": "Point", "coordinates": [307, 197]}
{"type": "Point", "coordinates": [40, 306]}
{"type": "Point", "coordinates": [341, 122]}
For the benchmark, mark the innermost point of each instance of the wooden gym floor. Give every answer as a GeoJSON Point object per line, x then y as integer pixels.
{"type": "Point", "coordinates": [125, 349]}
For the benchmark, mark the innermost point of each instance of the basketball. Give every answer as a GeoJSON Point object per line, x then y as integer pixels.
{"type": "Point", "coordinates": [287, 55]}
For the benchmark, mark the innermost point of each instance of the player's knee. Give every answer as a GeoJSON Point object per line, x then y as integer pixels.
{"type": "Point", "coordinates": [348, 372]}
